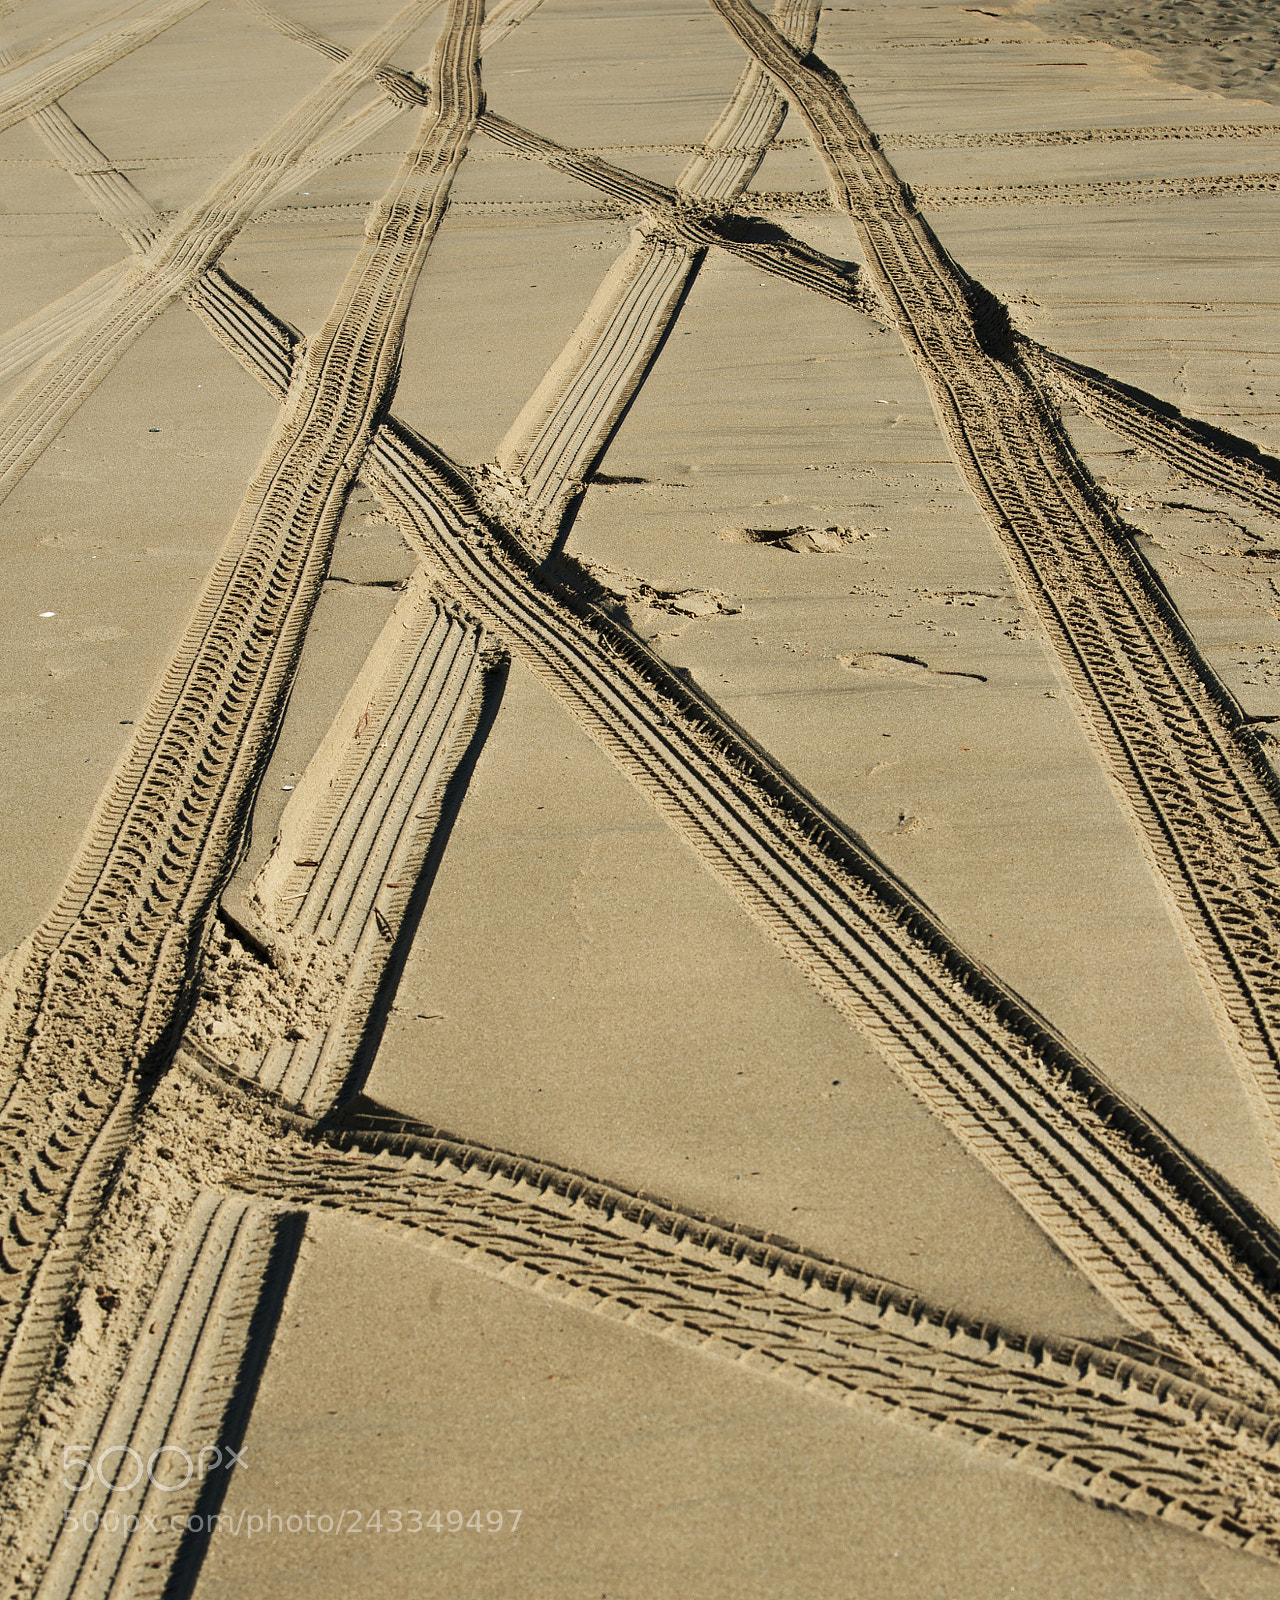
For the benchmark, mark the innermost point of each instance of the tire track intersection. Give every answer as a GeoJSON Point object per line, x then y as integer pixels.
{"type": "Point", "coordinates": [1177, 1425]}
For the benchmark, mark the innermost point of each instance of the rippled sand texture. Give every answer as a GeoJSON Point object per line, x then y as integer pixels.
{"type": "Point", "coordinates": [1228, 46]}
{"type": "Point", "coordinates": [641, 945]}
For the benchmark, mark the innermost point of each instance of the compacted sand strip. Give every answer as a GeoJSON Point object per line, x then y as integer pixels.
{"type": "Point", "coordinates": [1199, 790]}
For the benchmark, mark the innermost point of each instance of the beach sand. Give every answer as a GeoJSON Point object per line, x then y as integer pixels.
{"type": "Point", "coordinates": [641, 688]}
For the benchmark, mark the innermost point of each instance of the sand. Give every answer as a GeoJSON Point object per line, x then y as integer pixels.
{"type": "Point", "coordinates": [642, 677]}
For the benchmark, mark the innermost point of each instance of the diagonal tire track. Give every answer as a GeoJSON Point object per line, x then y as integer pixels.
{"type": "Point", "coordinates": [49, 331]}
{"type": "Point", "coordinates": [1094, 1172]}
{"type": "Point", "coordinates": [1103, 1424]}
{"type": "Point", "coordinates": [1203, 802]}
{"type": "Point", "coordinates": [329, 905]}
{"type": "Point", "coordinates": [441, 491]}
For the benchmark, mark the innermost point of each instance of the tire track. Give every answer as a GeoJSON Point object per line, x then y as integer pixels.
{"type": "Point", "coordinates": [396, 447]}
{"type": "Point", "coordinates": [24, 90]}
{"type": "Point", "coordinates": [402, 87]}
{"type": "Point", "coordinates": [677, 213]}
{"type": "Point", "coordinates": [1121, 1201]}
{"type": "Point", "coordinates": [73, 33]}
{"type": "Point", "coordinates": [392, 436]}
{"type": "Point", "coordinates": [103, 974]}
{"type": "Point", "coordinates": [38, 336]}
{"type": "Point", "coordinates": [329, 905]}
{"type": "Point", "coordinates": [105, 186]}
{"type": "Point", "coordinates": [1175, 1512]}
{"type": "Point", "coordinates": [190, 245]}
{"type": "Point", "coordinates": [258, 340]}
{"type": "Point", "coordinates": [1202, 800]}
{"type": "Point", "coordinates": [261, 342]}
{"type": "Point", "coordinates": [361, 126]}
{"type": "Point", "coordinates": [1061, 136]}
{"type": "Point", "coordinates": [1099, 191]}
{"type": "Point", "coordinates": [550, 448]}
{"type": "Point", "coordinates": [1206, 455]}
{"type": "Point", "coordinates": [1105, 1425]}
{"type": "Point", "coordinates": [50, 331]}
{"type": "Point", "coordinates": [181, 1401]}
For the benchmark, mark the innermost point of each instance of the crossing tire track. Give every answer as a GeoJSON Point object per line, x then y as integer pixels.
{"type": "Point", "coordinates": [400, 86]}
{"type": "Point", "coordinates": [1233, 1227]}
{"type": "Point", "coordinates": [356, 130]}
{"type": "Point", "coordinates": [50, 331]}
{"type": "Point", "coordinates": [261, 342]}
{"type": "Point", "coordinates": [676, 212]}
{"type": "Point", "coordinates": [1096, 1174]}
{"type": "Point", "coordinates": [104, 973]}
{"type": "Point", "coordinates": [1203, 802]}
{"type": "Point", "coordinates": [1105, 1424]}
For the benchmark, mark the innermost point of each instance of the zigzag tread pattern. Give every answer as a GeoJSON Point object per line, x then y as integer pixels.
{"type": "Point", "coordinates": [1108, 1427]}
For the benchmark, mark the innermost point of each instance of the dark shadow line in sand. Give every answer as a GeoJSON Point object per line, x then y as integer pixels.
{"type": "Point", "coordinates": [204, 1519]}
{"type": "Point", "coordinates": [494, 684]}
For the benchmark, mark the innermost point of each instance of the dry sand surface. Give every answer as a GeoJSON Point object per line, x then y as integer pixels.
{"type": "Point", "coordinates": [641, 686]}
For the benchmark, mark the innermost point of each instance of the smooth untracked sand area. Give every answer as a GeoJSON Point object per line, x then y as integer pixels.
{"type": "Point", "coordinates": [639, 755]}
